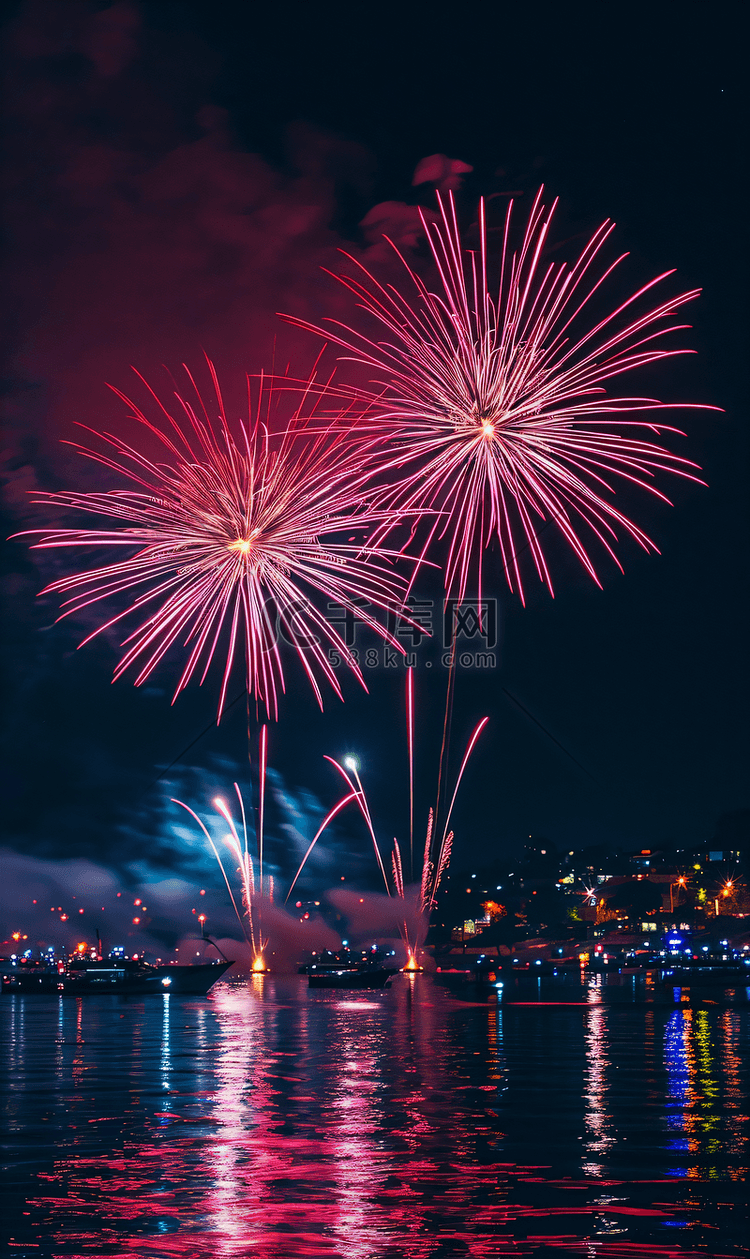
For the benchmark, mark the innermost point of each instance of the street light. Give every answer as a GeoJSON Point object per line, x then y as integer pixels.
{"type": "Point", "coordinates": [680, 883]}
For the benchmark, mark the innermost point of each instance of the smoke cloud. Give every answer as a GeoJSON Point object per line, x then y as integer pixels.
{"type": "Point", "coordinates": [141, 233]}
{"type": "Point", "coordinates": [63, 903]}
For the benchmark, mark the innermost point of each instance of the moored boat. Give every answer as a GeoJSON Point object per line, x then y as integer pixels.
{"type": "Point", "coordinates": [365, 977]}
{"type": "Point", "coordinates": [86, 976]}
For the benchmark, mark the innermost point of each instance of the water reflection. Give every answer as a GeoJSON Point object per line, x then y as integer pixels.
{"type": "Point", "coordinates": [598, 1121]}
{"type": "Point", "coordinates": [707, 1106]}
{"type": "Point", "coordinates": [274, 1121]}
{"type": "Point", "coordinates": [166, 1056]}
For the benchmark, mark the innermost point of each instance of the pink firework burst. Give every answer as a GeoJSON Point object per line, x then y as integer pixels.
{"type": "Point", "coordinates": [233, 535]}
{"type": "Point", "coordinates": [492, 404]}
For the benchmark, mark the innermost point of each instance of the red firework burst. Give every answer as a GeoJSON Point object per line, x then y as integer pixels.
{"type": "Point", "coordinates": [497, 405]}
{"type": "Point", "coordinates": [234, 533]}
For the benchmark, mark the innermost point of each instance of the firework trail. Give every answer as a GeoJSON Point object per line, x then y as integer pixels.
{"type": "Point", "coordinates": [495, 399]}
{"type": "Point", "coordinates": [232, 537]}
{"type": "Point", "coordinates": [244, 867]}
{"type": "Point", "coordinates": [438, 844]}
{"type": "Point", "coordinates": [253, 895]}
{"type": "Point", "coordinates": [252, 927]}
{"type": "Point", "coordinates": [410, 746]}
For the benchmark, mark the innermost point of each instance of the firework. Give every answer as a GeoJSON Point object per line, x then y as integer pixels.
{"type": "Point", "coordinates": [492, 404]}
{"type": "Point", "coordinates": [233, 536]}
{"type": "Point", "coordinates": [244, 867]}
{"type": "Point", "coordinates": [250, 894]}
{"type": "Point", "coordinates": [418, 902]}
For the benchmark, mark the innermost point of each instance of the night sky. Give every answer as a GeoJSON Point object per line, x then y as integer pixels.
{"type": "Point", "coordinates": [179, 172]}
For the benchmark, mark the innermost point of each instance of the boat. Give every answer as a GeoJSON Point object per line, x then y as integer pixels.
{"type": "Point", "coordinates": [330, 965]}
{"type": "Point", "coordinates": [347, 962]}
{"type": "Point", "coordinates": [123, 976]}
{"type": "Point", "coordinates": [362, 977]}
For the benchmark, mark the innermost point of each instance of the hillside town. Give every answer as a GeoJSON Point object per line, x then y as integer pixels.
{"type": "Point", "coordinates": [590, 901]}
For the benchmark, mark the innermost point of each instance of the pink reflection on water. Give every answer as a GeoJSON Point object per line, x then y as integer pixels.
{"type": "Point", "coordinates": [597, 1119]}
{"type": "Point", "coordinates": [359, 1167]}
{"type": "Point", "coordinates": [276, 1124]}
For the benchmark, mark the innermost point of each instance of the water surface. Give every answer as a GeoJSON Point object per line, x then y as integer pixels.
{"type": "Point", "coordinates": [602, 1119]}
